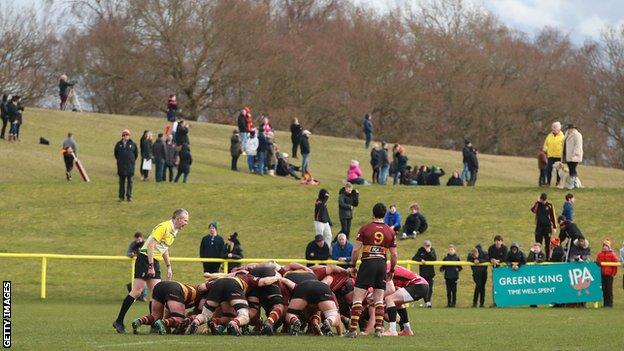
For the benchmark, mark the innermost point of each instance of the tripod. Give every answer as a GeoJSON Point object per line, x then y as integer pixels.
{"type": "Point", "coordinates": [73, 99]}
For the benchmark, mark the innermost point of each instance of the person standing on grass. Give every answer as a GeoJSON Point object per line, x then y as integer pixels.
{"type": "Point", "coordinates": [185, 160]}
{"type": "Point", "coordinates": [158, 151]}
{"type": "Point", "coordinates": [133, 252]}
{"type": "Point", "coordinates": [305, 151]}
{"type": "Point", "coordinates": [322, 222]}
{"type": "Point", "coordinates": [497, 253]}
{"type": "Point", "coordinates": [479, 274]}
{"type": "Point", "coordinates": [466, 150]}
{"type": "Point", "coordinates": [64, 89]}
{"type": "Point", "coordinates": [170, 158]}
{"type": "Point", "coordinates": [622, 260]}
{"type": "Point", "coordinates": [147, 264]}
{"type": "Point", "coordinates": [451, 276]}
{"type": "Point", "coordinates": [4, 114]}
{"type": "Point", "coordinates": [568, 207]}
{"type": "Point", "coordinates": [545, 224]}
{"type": "Point", "coordinates": [242, 126]}
{"type": "Point", "coordinates": [423, 254]}
{"type": "Point", "coordinates": [542, 164]}
{"type": "Point", "coordinates": [235, 149]}
{"type": "Point", "coordinates": [295, 135]}
{"type": "Point", "coordinates": [348, 199]}
{"type": "Point", "coordinates": [14, 111]}
{"type": "Point", "coordinates": [172, 107]}
{"type": "Point", "coordinates": [261, 152]}
{"type": "Point", "coordinates": [70, 149]}
{"type": "Point", "coordinates": [212, 246]}
{"type": "Point", "coordinates": [607, 272]}
{"type": "Point", "coordinates": [234, 250]}
{"type": "Point", "coordinates": [473, 166]}
{"type": "Point", "coordinates": [126, 153]}
{"type": "Point", "coordinates": [385, 164]}
{"type": "Point", "coordinates": [367, 126]}
{"type": "Point", "coordinates": [375, 162]}
{"type": "Point", "coordinates": [251, 149]}
{"type": "Point", "coordinates": [573, 153]}
{"type": "Point", "coordinates": [553, 145]}
{"type": "Point", "coordinates": [146, 154]}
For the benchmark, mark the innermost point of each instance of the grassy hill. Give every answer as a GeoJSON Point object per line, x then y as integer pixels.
{"type": "Point", "coordinates": [41, 212]}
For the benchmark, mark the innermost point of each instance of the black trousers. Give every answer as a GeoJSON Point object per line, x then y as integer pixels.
{"type": "Point", "coordinates": [376, 175]}
{"type": "Point", "coordinates": [451, 291]}
{"type": "Point", "coordinates": [295, 146]}
{"type": "Point", "coordinates": [125, 187]}
{"type": "Point", "coordinates": [169, 169]}
{"type": "Point", "coordinates": [542, 178]}
{"type": "Point", "coordinates": [234, 162]}
{"type": "Point", "coordinates": [69, 162]}
{"type": "Point", "coordinates": [430, 291]}
{"type": "Point", "coordinates": [345, 226]}
{"type": "Point", "coordinates": [607, 290]}
{"type": "Point", "coordinates": [572, 167]}
{"type": "Point", "coordinates": [549, 169]}
{"type": "Point", "coordinates": [479, 290]}
{"type": "Point", "coordinates": [5, 121]}
{"type": "Point", "coordinates": [541, 236]}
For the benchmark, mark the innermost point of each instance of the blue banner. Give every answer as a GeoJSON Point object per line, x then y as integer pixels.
{"type": "Point", "coordinates": [547, 283]}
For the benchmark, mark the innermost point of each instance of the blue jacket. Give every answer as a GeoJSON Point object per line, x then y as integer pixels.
{"type": "Point", "coordinates": [345, 251]}
{"type": "Point", "coordinates": [568, 211]}
{"type": "Point", "coordinates": [368, 126]}
{"type": "Point", "coordinates": [393, 220]}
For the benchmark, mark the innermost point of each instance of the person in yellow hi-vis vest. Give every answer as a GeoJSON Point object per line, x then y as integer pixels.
{"type": "Point", "coordinates": [553, 145]}
{"type": "Point", "coordinates": [147, 266]}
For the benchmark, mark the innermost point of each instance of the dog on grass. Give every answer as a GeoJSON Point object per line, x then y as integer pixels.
{"type": "Point", "coordinates": [564, 175]}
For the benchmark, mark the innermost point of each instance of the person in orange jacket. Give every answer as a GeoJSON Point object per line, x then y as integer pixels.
{"type": "Point", "coordinates": [607, 272]}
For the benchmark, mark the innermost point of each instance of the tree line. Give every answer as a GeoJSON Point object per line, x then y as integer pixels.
{"type": "Point", "coordinates": [432, 74]}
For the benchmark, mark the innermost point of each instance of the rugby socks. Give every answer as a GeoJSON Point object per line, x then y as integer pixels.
{"type": "Point", "coordinates": [403, 314]}
{"type": "Point", "coordinates": [146, 320]}
{"type": "Point", "coordinates": [315, 320]}
{"type": "Point", "coordinates": [356, 311]}
{"type": "Point", "coordinates": [379, 315]}
{"type": "Point", "coordinates": [171, 322]}
{"type": "Point", "coordinates": [392, 316]}
{"type": "Point", "coordinates": [125, 306]}
{"type": "Point", "coordinates": [275, 315]}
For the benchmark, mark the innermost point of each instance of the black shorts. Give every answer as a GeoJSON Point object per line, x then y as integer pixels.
{"type": "Point", "coordinates": [298, 277]}
{"type": "Point", "coordinates": [372, 273]}
{"type": "Point", "coordinates": [140, 268]}
{"type": "Point", "coordinates": [225, 289]}
{"type": "Point", "coordinates": [418, 291]}
{"type": "Point", "coordinates": [271, 295]}
{"type": "Point", "coordinates": [313, 291]}
{"type": "Point", "coordinates": [168, 291]}
{"type": "Point", "coordinates": [543, 230]}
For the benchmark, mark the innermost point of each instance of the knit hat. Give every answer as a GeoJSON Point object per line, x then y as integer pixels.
{"type": "Point", "coordinates": [319, 237]}
{"type": "Point", "coordinates": [213, 224]}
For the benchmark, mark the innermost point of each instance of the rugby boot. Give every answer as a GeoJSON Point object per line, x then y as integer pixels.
{"type": "Point", "coordinates": [378, 333]}
{"type": "Point", "coordinates": [192, 329]}
{"type": "Point", "coordinates": [406, 332]}
{"type": "Point", "coordinates": [326, 328]}
{"type": "Point", "coordinates": [351, 334]}
{"type": "Point", "coordinates": [233, 329]}
{"type": "Point", "coordinates": [135, 326]}
{"type": "Point", "coordinates": [267, 329]}
{"type": "Point", "coordinates": [119, 327]}
{"type": "Point", "coordinates": [159, 326]}
{"type": "Point", "coordinates": [295, 327]}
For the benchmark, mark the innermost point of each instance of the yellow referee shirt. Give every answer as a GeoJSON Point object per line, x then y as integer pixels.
{"type": "Point", "coordinates": [554, 144]}
{"type": "Point", "coordinates": [164, 234]}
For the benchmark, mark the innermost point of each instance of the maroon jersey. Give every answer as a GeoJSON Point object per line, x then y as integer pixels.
{"type": "Point", "coordinates": [339, 280]}
{"type": "Point", "coordinates": [376, 239]}
{"type": "Point", "coordinates": [319, 271]}
{"type": "Point", "coordinates": [247, 280]}
{"type": "Point", "coordinates": [404, 277]}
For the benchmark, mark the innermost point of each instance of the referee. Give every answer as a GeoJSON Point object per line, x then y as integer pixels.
{"type": "Point", "coordinates": [147, 266]}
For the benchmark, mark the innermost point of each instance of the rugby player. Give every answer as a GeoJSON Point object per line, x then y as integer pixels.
{"type": "Point", "coordinates": [177, 297]}
{"type": "Point", "coordinates": [374, 240]}
{"type": "Point", "coordinates": [147, 265]}
{"type": "Point", "coordinates": [406, 286]}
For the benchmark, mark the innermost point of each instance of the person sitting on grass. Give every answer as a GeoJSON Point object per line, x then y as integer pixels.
{"type": "Point", "coordinates": [415, 223]}
{"type": "Point", "coordinates": [283, 168]}
{"type": "Point", "coordinates": [354, 175]}
{"type": "Point", "coordinates": [433, 177]}
{"type": "Point", "coordinates": [393, 219]}
{"type": "Point", "coordinates": [408, 177]}
{"type": "Point", "coordinates": [455, 180]}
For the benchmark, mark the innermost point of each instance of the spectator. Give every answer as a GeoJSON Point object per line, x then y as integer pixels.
{"type": "Point", "coordinates": [354, 175]}
{"type": "Point", "coordinates": [234, 250]}
{"type": "Point", "coordinates": [455, 180]}
{"type": "Point", "coordinates": [423, 254]}
{"type": "Point", "coordinates": [317, 249]}
{"type": "Point", "coordinates": [415, 223]}
{"type": "Point", "coordinates": [146, 154]}
{"type": "Point", "coordinates": [497, 253]}
{"type": "Point", "coordinates": [536, 254]}
{"type": "Point", "coordinates": [295, 135]}
{"type": "Point", "coordinates": [126, 153]}
{"type": "Point", "coordinates": [515, 257]}
{"type": "Point", "coordinates": [64, 89]}
{"type": "Point", "coordinates": [557, 254]}
{"type": "Point", "coordinates": [305, 150]}
{"type": "Point", "coordinates": [579, 250]}
{"type": "Point", "coordinates": [348, 199]}
{"type": "Point", "coordinates": [422, 175]}
{"type": "Point", "coordinates": [542, 165]}
{"type": "Point", "coordinates": [212, 246]}
{"type": "Point", "coordinates": [251, 149]}
{"type": "Point", "coordinates": [622, 260]}
{"type": "Point", "coordinates": [181, 134]}
{"type": "Point", "coordinates": [133, 252]}
{"type": "Point", "coordinates": [172, 107]}
{"type": "Point", "coordinates": [322, 222]}
{"type": "Point", "coordinates": [473, 166]}
{"type": "Point", "coordinates": [368, 129]}
{"type": "Point", "coordinates": [573, 153]}
{"type": "Point", "coordinates": [545, 224]}
{"type": "Point", "coordinates": [393, 219]}
{"type": "Point", "coordinates": [4, 114]}
{"type": "Point", "coordinates": [385, 164]}
{"type": "Point", "coordinates": [170, 157]}
{"type": "Point", "coordinates": [568, 232]}
{"type": "Point", "coordinates": [607, 272]}
{"type": "Point", "coordinates": [272, 150]}
{"type": "Point", "coordinates": [451, 276]}
{"type": "Point", "coordinates": [479, 274]}
{"type": "Point", "coordinates": [394, 165]}
{"type": "Point", "coordinates": [185, 160]}
{"type": "Point", "coordinates": [341, 250]}
{"type": "Point", "coordinates": [568, 207]}
{"type": "Point", "coordinates": [235, 149]}
{"type": "Point", "coordinates": [466, 154]}
{"type": "Point", "coordinates": [261, 152]}
{"type": "Point", "coordinates": [159, 153]}
{"type": "Point", "coordinates": [265, 126]}
{"type": "Point", "coordinates": [409, 176]}
{"type": "Point", "coordinates": [553, 145]}
{"type": "Point", "coordinates": [401, 160]}
{"type": "Point", "coordinates": [14, 111]}
{"type": "Point", "coordinates": [69, 151]}
{"type": "Point", "coordinates": [249, 121]}
{"type": "Point", "coordinates": [242, 126]}
{"type": "Point", "coordinates": [284, 168]}
{"type": "Point", "coordinates": [375, 162]}
{"type": "Point", "coordinates": [433, 177]}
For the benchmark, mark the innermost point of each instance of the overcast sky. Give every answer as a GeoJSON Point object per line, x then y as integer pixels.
{"type": "Point", "coordinates": [581, 19]}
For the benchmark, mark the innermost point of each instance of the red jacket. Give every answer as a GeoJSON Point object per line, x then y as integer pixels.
{"type": "Point", "coordinates": [607, 256]}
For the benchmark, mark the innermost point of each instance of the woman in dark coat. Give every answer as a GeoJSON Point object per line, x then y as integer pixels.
{"type": "Point", "coordinates": [295, 135]}
{"type": "Point", "coordinates": [235, 149]}
{"type": "Point", "coordinates": [184, 163]}
{"type": "Point", "coordinates": [234, 250]}
{"type": "Point", "coordinates": [146, 153]}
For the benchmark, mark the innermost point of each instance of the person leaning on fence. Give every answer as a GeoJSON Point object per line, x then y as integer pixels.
{"type": "Point", "coordinates": [234, 250]}
{"type": "Point", "coordinates": [342, 250]}
{"type": "Point", "coordinates": [317, 249]}
{"type": "Point", "coordinates": [423, 254]}
{"type": "Point", "coordinates": [557, 253]}
{"type": "Point", "coordinates": [147, 264]}
{"type": "Point", "coordinates": [70, 149]}
{"type": "Point", "coordinates": [497, 253]}
{"type": "Point", "coordinates": [515, 257]}
{"type": "Point", "coordinates": [126, 153]}
{"type": "Point", "coordinates": [607, 272]}
{"type": "Point", "coordinates": [212, 246]}
{"type": "Point", "coordinates": [536, 254]}
{"type": "Point", "coordinates": [479, 274]}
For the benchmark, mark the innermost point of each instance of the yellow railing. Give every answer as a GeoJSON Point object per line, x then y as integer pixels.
{"type": "Point", "coordinates": [45, 257]}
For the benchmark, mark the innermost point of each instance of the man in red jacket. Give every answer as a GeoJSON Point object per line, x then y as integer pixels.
{"type": "Point", "coordinates": [607, 272]}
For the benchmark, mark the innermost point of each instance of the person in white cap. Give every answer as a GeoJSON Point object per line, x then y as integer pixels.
{"type": "Point", "coordinates": [305, 150]}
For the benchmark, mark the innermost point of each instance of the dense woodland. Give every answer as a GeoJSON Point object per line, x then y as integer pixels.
{"type": "Point", "coordinates": [431, 75]}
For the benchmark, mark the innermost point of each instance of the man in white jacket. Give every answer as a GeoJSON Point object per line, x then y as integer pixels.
{"type": "Point", "coordinates": [251, 149]}
{"type": "Point", "coordinates": [573, 152]}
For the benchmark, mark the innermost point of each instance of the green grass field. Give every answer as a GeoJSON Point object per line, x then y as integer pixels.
{"type": "Point", "coordinates": [43, 213]}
